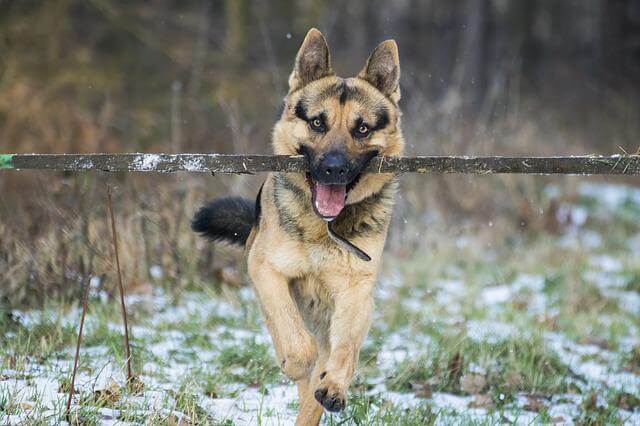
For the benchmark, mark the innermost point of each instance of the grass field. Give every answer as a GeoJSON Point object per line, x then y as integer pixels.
{"type": "Point", "coordinates": [522, 329]}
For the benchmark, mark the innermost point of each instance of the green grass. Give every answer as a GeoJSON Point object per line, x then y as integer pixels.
{"type": "Point", "coordinates": [188, 403]}
{"type": "Point", "coordinates": [45, 338]}
{"type": "Point", "coordinates": [363, 409]}
{"type": "Point", "coordinates": [251, 364]}
{"type": "Point", "coordinates": [537, 368]}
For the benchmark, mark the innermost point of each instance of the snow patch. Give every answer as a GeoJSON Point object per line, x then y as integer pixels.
{"type": "Point", "coordinates": [146, 162]}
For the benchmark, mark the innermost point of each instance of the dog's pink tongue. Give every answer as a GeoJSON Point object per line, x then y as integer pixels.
{"type": "Point", "coordinates": [330, 199]}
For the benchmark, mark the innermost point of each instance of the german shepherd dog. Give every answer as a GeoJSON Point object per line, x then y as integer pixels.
{"type": "Point", "coordinates": [314, 240]}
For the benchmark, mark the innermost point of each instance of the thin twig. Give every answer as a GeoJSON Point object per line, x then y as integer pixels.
{"type": "Point", "coordinates": [85, 297]}
{"type": "Point", "coordinates": [120, 286]}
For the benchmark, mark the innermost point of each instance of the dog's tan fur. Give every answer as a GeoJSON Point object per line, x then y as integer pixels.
{"type": "Point", "coordinates": [316, 297]}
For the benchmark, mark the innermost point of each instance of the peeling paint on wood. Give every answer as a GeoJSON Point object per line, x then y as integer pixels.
{"type": "Point", "coordinates": [5, 161]}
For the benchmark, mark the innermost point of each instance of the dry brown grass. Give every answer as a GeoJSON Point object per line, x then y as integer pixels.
{"type": "Point", "coordinates": [51, 238]}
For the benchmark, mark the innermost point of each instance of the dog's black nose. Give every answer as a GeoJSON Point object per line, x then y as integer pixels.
{"type": "Point", "coordinates": [335, 166]}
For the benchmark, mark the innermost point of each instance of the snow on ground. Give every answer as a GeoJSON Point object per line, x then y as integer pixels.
{"type": "Point", "coordinates": [205, 356]}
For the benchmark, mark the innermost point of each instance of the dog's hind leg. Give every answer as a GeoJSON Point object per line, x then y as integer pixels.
{"type": "Point", "coordinates": [349, 326]}
{"type": "Point", "coordinates": [303, 388]}
{"type": "Point", "coordinates": [310, 410]}
{"type": "Point", "coordinates": [295, 346]}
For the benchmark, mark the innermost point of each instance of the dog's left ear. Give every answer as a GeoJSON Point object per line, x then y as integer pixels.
{"type": "Point", "coordinates": [382, 69]}
{"type": "Point", "coordinates": [312, 61]}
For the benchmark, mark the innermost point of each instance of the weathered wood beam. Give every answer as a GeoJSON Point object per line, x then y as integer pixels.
{"type": "Point", "coordinates": [223, 163]}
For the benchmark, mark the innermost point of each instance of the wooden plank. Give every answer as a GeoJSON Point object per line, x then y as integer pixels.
{"type": "Point", "coordinates": [240, 164]}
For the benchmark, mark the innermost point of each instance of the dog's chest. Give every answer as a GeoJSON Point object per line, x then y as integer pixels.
{"type": "Point", "coordinates": [366, 219]}
{"type": "Point", "coordinates": [314, 303]}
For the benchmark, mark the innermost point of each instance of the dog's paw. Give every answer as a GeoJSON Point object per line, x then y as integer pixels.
{"type": "Point", "coordinates": [298, 360]}
{"type": "Point", "coordinates": [330, 395]}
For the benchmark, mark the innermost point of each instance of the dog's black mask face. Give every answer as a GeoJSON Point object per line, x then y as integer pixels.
{"type": "Point", "coordinates": [339, 124]}
{"type": "Point", "coordinates": [331, 176]}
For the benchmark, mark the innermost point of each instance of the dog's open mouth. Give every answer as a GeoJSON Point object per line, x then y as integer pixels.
{"type": "Point", "coordinates": [329, 199]}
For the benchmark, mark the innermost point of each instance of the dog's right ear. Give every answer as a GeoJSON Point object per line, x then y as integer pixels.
{"type": "Point", "coordinates": [312, 61]}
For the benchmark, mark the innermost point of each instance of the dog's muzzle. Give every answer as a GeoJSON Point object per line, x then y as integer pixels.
{"type": "Point", "coordinates": [331, 176]}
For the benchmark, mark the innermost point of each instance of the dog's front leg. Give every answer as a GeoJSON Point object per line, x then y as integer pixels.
{"type": "Point", "coordinates": [353, 308]}
{"type": "Point", "coordinates": [295, 346]}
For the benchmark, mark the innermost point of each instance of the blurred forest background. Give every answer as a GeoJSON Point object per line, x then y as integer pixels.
{"type": "Point", "coordinates": [478, 77]}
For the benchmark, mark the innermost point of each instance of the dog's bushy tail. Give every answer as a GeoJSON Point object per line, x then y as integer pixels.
{"type": "Point", "coordinates": [227, 219]}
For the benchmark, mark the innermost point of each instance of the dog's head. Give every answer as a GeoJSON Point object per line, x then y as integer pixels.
{"type": "Point", "coordinates": [340, 124]}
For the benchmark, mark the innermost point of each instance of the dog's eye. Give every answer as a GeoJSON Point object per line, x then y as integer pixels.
{"type": "Point", "coordinates": [362, 131]}
{"type": "Point", "coordinates": [317, 125]}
